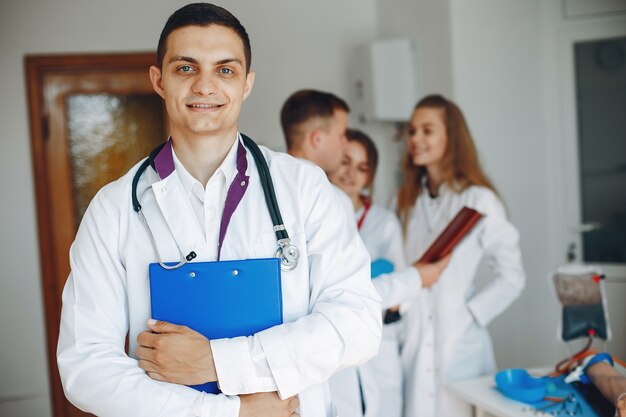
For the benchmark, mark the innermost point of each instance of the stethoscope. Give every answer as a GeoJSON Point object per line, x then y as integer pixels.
{"type": "Point", "coordinates": [286, 252]}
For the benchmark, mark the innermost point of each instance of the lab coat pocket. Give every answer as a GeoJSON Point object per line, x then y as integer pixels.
{"type": "Point", "coordinates": [266, 244]}
{"type": "Point", "coordinates": [468, 350]}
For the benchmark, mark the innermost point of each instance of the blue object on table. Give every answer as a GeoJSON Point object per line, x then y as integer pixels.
{"type": "Point", "coordinates": [519, 385]}
{"type": "Point", "coordinates": [381, 266]}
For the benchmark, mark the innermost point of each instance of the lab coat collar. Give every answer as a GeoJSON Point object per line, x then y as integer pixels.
{"type": "Point", "coordinates": [173, 199]}
{"type": "Point", "coordinates": [176, 208]}
{"type": "Point", "coordinates": [167, 162]}
{"type": "Point", "coordinates": [443, 189]}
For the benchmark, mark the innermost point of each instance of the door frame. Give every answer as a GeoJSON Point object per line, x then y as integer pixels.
{"type": "Point", "coordinates": [562, 126]}
{"type": "Point", "coordinates": [37, 67]}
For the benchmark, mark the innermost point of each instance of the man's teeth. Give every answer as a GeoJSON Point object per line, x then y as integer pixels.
{"type": "Point", "coordinates": [204, 106]}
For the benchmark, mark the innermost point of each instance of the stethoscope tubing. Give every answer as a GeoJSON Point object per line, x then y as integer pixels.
{"type": "Point", "coordinates": [268, 189]}
{"type": "Point", "coordinates": [287, 253]}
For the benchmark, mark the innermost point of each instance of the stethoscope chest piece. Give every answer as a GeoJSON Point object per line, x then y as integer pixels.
{"type": "Point", "coordinates": [288, 255]}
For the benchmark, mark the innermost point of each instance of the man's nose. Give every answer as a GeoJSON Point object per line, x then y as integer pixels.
{"type": "Point", "coordinates": [204, 85]}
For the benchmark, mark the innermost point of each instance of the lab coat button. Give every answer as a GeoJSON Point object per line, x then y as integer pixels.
{"type": "Point", "coordinates": [163, 189]}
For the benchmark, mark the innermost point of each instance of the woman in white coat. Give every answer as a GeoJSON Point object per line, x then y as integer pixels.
{"type": "Point", "coordinates": [445, 333]}
{"type": "Point", "coordinates": [381, 377]}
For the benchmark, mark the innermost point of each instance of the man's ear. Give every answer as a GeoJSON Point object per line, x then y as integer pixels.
{"type": "Point", "coordinates": [157, 80]}
{"type": "Point", "coordinates": [315, 138]}
{"type": "Point", "coordinates": [249, 83]}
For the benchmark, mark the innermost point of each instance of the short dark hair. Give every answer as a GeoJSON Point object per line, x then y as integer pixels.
{"type": "Point", "coordinates": [304, 105]}
{"type": "Point", "coordinates": [355, 135]}
{"type": "Point", "coordinates": [203, 14]}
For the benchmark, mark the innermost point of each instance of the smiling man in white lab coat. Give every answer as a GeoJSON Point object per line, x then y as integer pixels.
{"type": "Point", "coordinates": [331, 312]}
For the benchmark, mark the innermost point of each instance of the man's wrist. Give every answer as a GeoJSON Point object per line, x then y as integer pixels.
{"type": "Point", "coordinates": [587, 370]}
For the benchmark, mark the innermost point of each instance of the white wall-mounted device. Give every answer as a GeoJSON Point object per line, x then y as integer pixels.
{"type": "Point", "coordinates": [385, 80]}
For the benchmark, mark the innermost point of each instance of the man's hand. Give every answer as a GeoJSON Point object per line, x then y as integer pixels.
{"type": "Point", "coordinates": [176, 354]}
{"type": "Point", "coordinates": [267, 404]}
{"type": "Point", "coordinates": [430, 272]}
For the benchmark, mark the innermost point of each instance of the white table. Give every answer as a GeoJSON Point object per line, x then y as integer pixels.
{"type": "Point", "coordinates": [482, 394]}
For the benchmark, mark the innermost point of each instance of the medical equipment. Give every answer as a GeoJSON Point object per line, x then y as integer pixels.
{"type": "Point", "coordinates": [287, 253]}
{"type": "Point", "coordinates": [381, 266]}
{"type": "Point", "coordinates": [580, 290]}
{"type": "Point", "coordinates": [519, 385]}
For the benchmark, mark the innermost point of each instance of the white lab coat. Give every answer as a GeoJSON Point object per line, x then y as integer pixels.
{"type": "Point", "coordinates": [382, 376]}
{"type": "Point", "coordinates": [442, 341]}
{"type": "Point", "coordinates": [330, 309]}
{"type": "Point", "coordinates": [351, 386]}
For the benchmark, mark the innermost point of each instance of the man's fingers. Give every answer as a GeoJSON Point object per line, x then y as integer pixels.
{"type": "Point", "coordinates": [159, 326]}
{"type": "Point", "coordinates": [147, 339]}
{"type": "Point", "coordinates": [148, 366]}
{"type": "Point", "coordinates": [293, 404]}
{"type": "Point", "coordinates": [156, 376]}
{"type": "Point", "coordinates": [145, 353]}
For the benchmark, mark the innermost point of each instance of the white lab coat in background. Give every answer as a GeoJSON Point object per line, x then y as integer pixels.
{"type": "Point", "coordinates": [442, 340]}
{"type": "Point", "coordinates": [330, 309]}
{"type": "Point", "coordinates": [351, 387]}
{"type": "Point", "coordinates": [382, 376]}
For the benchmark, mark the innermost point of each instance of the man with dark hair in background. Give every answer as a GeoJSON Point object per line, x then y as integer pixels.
{"type": "Point", "coordinates": [315, 124]}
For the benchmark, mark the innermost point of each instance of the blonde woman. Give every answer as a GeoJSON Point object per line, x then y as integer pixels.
{"type": "Point", "coordinates": [445, 328]}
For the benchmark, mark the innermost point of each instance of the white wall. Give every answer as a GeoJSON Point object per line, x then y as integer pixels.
{"type": "Point", "coordinates": [296, 44]}
{"type": "Point", "coordinates": [427, 22]}
{"type": "Point", "coordinates": [497, 73]}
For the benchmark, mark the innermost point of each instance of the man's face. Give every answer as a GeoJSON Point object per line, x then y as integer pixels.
{"type": "Point", "coordinates": [334, 141]}
{"type": "Point", "coordinates": [203, 81]}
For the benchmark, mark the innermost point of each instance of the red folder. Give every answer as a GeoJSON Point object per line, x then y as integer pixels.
{"type": "Point", "coordinates": [455, 231]}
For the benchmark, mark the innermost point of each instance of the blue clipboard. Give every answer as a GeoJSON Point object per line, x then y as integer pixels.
{"type": "Point", "coordinates": [219, 299]}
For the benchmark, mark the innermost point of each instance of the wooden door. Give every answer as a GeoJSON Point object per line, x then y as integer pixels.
{"type": "Point", "coordinates": [92, 117]}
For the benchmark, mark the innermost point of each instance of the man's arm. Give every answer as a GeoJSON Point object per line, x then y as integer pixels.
{"type": "Point", "coordinates": [343, 324]}
{"type": "Point", "coordinates": [610, 383]}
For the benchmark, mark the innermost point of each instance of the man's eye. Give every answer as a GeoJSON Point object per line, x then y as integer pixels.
{"type": "Point", "coordinates": [185, 68]}
{"type": "Point", "coordinates": [226, 71]}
